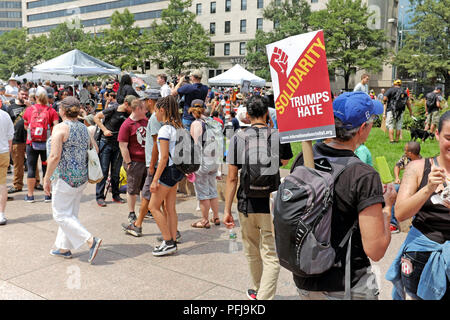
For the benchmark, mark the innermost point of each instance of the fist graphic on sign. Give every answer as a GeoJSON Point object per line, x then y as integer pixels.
{"type": "Point", "coordinates": [278, 61]}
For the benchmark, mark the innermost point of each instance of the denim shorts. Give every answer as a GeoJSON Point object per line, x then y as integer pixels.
{"type": "Point", "coordinates": [410, 281]}
{"type": "Point", "coordinates": [170, 176]}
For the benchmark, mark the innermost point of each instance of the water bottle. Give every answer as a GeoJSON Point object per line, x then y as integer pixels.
{"type": "Point", "coordinates": [232, 242]}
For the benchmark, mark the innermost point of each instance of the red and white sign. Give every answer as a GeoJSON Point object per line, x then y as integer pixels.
{"type": "Point", "coordinates": [301, 85]}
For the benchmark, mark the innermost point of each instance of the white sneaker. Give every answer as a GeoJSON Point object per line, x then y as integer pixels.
{"type": "Point", "coordinates": [3, 219]}
{"type": "Point", "coordinates": [164, 249]}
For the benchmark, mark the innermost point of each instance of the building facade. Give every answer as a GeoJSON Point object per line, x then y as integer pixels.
{"type": "Point", "coordinates": [10, 15]}
{"type": "Point", "coordinates": [231, 24]}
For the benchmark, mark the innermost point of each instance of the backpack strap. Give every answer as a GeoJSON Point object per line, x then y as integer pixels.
{"type": "Point", "coordinates": [437, 165]}
{"type": "Point", "coordinates": [347, 279]}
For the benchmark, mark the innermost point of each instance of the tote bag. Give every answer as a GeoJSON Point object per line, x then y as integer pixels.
{"type": "Point", "coordinates": [95, 174]}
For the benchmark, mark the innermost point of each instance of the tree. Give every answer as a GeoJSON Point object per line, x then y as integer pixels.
{"type": "Point", "coordinates": [120, 41]}
{"type": "Point", "coordinates": [13, 53]}
{"type": "Point", "coordinates": [351, 45]}
{"type": "Point", "coordinates": [289, 18]}
{"type": "Point", "coordinates": [179, 42]}
{"type": "Point", "coordinates": [64, 38]}
{"type": "Point", "coordinates": [426, 50]}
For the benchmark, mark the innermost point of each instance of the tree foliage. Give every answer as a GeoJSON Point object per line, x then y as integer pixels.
{"type": "Point", "coordinates": [289, 18]}
{"type": "Point", "coordinates": [178, 41]}
{"type": "Point", "coordinates": [351, 45]}
{"type": "Point", "coordinates": [425, 52]}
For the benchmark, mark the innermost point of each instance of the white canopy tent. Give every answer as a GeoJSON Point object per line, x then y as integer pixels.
{"type": "Point", "coordinates": [37, 76]}
{"type": "Point", "coordinates": [76, 63]}
{"type": "Point", "coordinates": [235, 76]}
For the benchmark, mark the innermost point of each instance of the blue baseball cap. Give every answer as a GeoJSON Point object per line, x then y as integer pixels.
{"type": "Point", "coordinates": [355, 108]}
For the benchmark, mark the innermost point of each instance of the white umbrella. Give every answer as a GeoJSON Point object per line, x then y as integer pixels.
{"type": "Point", "coordinates": [235, 76]}
{"type": "Point", "coordinates": [76, 63]}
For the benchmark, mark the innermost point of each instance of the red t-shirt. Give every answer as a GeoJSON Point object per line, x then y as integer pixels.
{"type": "Point", "coordinates": [53, 115]}
{"type": "Point", "coordinates": [134, 132]}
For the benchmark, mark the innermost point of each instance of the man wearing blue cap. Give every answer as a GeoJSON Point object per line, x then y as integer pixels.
{"type": "Point", "coordinates": [358, 196]}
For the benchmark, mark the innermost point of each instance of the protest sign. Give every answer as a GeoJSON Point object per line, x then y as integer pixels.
{"type": "Point", "coordinates": [301, 85]}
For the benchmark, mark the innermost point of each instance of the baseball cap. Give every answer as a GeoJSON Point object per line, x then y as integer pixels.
{"type": "Point", "coordinates": [70, 102]}
{"type": "Point", "coordinates": [130, 99]}
{"type": "Point", "coordinates": [197, 103]}
{"type": "Point", "coordinates": [50, 92]}
{"type": "Point", "coordinates": [355, 108]}
{"type": "Point", "coordinates": [398, 82]}
{"type": "Point", "coordinates": [197, 73]}
{"type": "Point", "coordinates": [153, 94]}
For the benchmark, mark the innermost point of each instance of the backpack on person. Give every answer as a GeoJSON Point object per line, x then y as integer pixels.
{"type": "Point", "coordinates": [39, 124]}
{"type": "Point", "coordinates": [431, 98]}
{"type": "Point", "coordinates": [187, 156]}
{"type": "Point", "coordinates": [212, 142]}
{"type": "Point", "coordinates": [398, 102]}
{"type": "Point", "coordinates": [260, 174]}
{"type": "Point", "coordinates": [302, 217]}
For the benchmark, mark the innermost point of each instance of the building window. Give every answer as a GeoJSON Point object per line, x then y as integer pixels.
{"type": "Point", "coordinates": [242, 48]}
{"type": "Point", "coordinates": [314, 1]}
{"type": "Point", "coordinates": [243, 5]}
{"type": "Point", "coordinates": [212, 50]}
{"type": "Point", "coordinates": [259, 23]}
{"type": "Point", "coordinates": [198, 9]}
{"type": "Point", "coordinates": [160, 66]}
{"type": "Point", "coordinates": [212, 28]}
{"type": "Point", "coordinates": [227, 26]}
{"type": "Point", "coordinates": [213, 7]}
{"type": "Point", "coordinates": [227, 5]}
{"type": "Point", "coordinates": [226, 49]}
{"type": "Point", "coordinates": [276, 24]}
{"type": "Point", "coordinates": [243, 26]}
{"type": "Point", "coordinates": [260, 4]}
{"type": "Point", "coordinates": [147, 65]}
{"type": "Point", "coordinates": [211, 74]}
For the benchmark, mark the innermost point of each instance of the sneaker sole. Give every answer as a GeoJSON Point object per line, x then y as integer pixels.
{"type": "Point", "coordinates": [30, 201]}
{"type": "Point", "coordinates": [165, 253]}
{"type": "Point", "coordinates": [132, 232]}
{"type": "Point", "coordinates": [97, 246]}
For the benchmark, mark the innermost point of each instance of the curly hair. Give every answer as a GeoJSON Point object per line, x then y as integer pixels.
{"type": "Point", "coordinates": [169, 104]}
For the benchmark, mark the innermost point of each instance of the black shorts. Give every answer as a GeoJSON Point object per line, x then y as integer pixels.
{"type": "Point", "coordinates": [170, 176]}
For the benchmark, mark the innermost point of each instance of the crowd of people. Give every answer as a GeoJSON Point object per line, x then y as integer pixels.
{"type": "Point", "coordinates": [136, 130]}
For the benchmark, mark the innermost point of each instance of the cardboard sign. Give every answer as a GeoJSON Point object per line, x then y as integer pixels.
{"type": "Point", "coordinates": [301, 85]}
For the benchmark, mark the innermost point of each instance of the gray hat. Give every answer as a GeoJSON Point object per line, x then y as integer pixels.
{"type": "Point", "coordinates": [153, 94]}
{"type": "Point", "coordinates": [50, 92]}
{"type": "Point", "coordinates": [198, 103]}
{"type": "Point", "coordinates": [70, 102]}
{"type": "Point", "coordinates": [90, 119]}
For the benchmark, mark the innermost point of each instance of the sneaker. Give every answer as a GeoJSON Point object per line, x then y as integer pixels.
{"type": "Point", "coordinates": [13, 190]}
{"type": "Point", "coordinates": [94, 249]}
{"type": "Point", "coordinates": [39, 187]}
{"type": "Point", "coordinates": [394, 229]}
{"type": "Point", "coordinates": [29, 199]}
{"type": "Point", "coordinates": [164, 249]}
{"type": "Point", "coordinates": [119, 200]}
{"type": "Point", "coordinates": [3, 221]}
{"type": "Point", "coordinates": [132, 217]}
{"type": "Point", "coordinates": [178, 240]}
{"type": "Point", "coordinates": [251, 294]}
{"type": "Point", "coordinates": [9, 169]}
{"type": "Point", "coordinates": [149, 215]}
{"type": "Point", "coordinates": [48, 198]}
{"type": "Point", "coordinates": [57, 253]}
{"type": "Point", "coordinates": [132, 229]}
{"type": "Point", "coordinates": [101, 202]}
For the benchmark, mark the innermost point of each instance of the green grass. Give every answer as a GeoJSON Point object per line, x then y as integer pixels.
{"type": "Point", "coordinates": [378, 144]}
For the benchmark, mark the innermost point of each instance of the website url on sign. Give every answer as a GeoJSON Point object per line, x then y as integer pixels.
{"type": "Point", "coordinates": [310, 134]}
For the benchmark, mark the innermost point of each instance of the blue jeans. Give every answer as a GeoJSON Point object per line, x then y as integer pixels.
{"type": "Point", "coordinates": [110, 157]}
{"type": "Point", "coordinates": [393, 220]}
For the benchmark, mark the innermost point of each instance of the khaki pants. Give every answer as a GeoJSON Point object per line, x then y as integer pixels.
{"type": "Point", "coordinates": [18, 156]}
{"type": "Point", "coordinates": [4, 164]}
{"type": "Point", "coordinates": [259, 248]}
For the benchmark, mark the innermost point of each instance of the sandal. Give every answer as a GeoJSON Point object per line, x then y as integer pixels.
{"type": "Point", "coordinates": [216, 221]}
{"type": "Point", "coordinates": [200, 224]}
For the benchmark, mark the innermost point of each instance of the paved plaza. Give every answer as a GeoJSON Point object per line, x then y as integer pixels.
{"type": "Point", "coordinates": [125, 268]}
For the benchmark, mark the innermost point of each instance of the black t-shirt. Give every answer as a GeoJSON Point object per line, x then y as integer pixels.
{"type": "Point", "coordinates": [356, 189]}
{"type": "Point", "coordinates": [390, 94]}
{"type": "Point", "coordinates": [236, 150]}
{"type": "Point", "coordinates": [113, 122]}
{"type": "Point", "coordinates": [15, 112]}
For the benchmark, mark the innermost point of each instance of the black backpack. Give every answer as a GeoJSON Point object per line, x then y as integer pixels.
{"type": "Point", "coordinates": [188, 154]}
{"type": "Point", "coordinates": [303, 214]}
{"type": "Point", "coordinates": [260, 174]}
{"type": "Point", "coordinates": [431, 101]}
{"type": "Point", "coordinates": [398, 102]}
